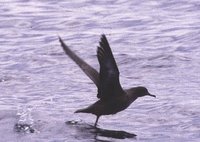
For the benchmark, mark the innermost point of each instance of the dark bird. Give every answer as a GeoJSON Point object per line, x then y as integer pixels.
{"type": "Point", "coordinates": [112, 97]}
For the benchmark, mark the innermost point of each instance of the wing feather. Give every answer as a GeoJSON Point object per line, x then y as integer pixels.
{"type": "Point", "coordinates": [86, 68]}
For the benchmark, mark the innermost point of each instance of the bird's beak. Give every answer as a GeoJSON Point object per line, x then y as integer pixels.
{"type": "Point", "coordinates": [151, 95]}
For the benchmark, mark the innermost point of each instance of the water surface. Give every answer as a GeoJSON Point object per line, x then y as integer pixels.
{"type": "Point", "coordinates": [155, 43]}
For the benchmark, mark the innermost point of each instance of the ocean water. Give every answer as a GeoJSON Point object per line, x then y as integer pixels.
{"type": "Point", "coordinates": [156, 44]}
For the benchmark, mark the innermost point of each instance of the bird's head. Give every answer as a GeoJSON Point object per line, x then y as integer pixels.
{"type": "Point", "coordinates": [142, 91]}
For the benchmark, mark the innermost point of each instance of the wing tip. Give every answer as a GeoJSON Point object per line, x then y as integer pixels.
{"type": "Point", "coordinates": [103, 35]}
{"type": "Point", "coordinates": [60, 39]}
{"type": "Point", "coordinates": [64, 46]}
{"type": "Point", "coordinates": [103, 41]}
{"type": "Point", "coordinates": [103, 38]}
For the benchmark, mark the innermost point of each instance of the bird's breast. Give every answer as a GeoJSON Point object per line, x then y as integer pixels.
{"type": "Point", "coordinates": [114, 106]}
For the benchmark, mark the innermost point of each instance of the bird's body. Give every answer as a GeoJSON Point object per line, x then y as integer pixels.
{"type": "Point", "coordinates": [107, 107]}
{"type": "Point", "coordinates": [112, 97]}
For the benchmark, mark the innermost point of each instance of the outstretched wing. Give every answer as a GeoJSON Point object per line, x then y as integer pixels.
{"type": "Point", "coordinates": [87, 69]}
{"type": "Point", "coordinates": [109, 85]}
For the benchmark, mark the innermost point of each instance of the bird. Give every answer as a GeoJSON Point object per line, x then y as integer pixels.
{"type": "Point", "coordinates": [112, 98]}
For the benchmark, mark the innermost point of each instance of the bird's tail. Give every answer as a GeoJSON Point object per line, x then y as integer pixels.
{"type": "Point", "coordinates": [84, 110]}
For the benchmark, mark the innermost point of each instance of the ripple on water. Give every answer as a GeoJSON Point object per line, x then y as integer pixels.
{"type": "Point", "coordinates": [156, 44]}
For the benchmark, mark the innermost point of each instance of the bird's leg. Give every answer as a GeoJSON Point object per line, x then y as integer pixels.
{"type": "Point", "coordinates": [96, 121]}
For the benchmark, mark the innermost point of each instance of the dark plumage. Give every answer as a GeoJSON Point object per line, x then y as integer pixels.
{"type": "Point", "coordinates": [112, 97]}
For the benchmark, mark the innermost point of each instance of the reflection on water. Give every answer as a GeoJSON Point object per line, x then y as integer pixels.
{"type": "Point", "coordinates": [155, 43]}
{"type": "Point", "coordinates": [85, 130]}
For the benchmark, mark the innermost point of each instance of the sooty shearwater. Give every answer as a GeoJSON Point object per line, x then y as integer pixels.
{"type": "Point", "coordinates": [112, 97]}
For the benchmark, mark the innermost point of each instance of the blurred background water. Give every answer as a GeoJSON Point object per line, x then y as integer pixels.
{"type": "Point", "coordinates": [156, 44]}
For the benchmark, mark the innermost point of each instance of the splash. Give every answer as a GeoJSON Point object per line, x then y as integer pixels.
{"type": "Point", "coordinates": [25, 123]}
